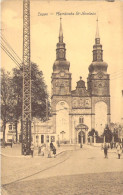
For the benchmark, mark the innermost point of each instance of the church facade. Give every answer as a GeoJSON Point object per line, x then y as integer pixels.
{"type": "Point", "coordinates": [76, 112]}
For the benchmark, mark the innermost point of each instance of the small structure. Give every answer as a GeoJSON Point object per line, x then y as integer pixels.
{"type": "Point", "coordinates": [42, 132]}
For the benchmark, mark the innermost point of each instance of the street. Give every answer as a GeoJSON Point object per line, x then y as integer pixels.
{"type": "Point", "coordinates": [81, 171]}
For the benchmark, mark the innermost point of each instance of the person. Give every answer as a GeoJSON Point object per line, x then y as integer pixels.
{"type": "Point", "coordinates": [39, 150]}
{"type": "Point", "coordinates": [119, 150]}
{"type": "Point", "coordinates": [105, 150]}
{"type": "Point", "coordinates": [32, 149]}
{"type": "Point", "coordinates": [49, 152]}
{"type": "Point", "coordinates": [51, 146]}
{"type": "Point", "coordinates": [54, 151]}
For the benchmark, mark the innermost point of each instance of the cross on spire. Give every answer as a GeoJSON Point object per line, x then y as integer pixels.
{"type": "Point", "coordinates": [97, 30]}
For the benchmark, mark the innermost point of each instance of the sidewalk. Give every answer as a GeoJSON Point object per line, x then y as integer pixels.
{"type": "Point", "coordinates": [16, 167]}
{"type": "Point", "coordinates": [15, 151]}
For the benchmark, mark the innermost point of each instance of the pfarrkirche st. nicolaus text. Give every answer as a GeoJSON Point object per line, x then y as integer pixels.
{"type": "Point", "coordinates": [75, 13]}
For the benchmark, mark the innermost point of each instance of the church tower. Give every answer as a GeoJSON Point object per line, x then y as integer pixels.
{"type": "Point", "coordinates": [61, 90]}
{"type": "Point", "coordinates": [99, 87]}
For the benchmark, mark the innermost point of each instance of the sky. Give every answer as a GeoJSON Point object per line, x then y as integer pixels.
{"type": "Point", "coordinates": [79, 36]}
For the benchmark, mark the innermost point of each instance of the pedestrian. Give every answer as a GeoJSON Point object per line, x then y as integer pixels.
{"type": "Point", "coordinates": [54, 151]}
{"type": "Point", "coordinates": [32, 149]}
{"type": "Point", "coordinates": [105, 150]}
{"type": "Point", "coordinates": [108, 146]}
{"type": "Point", "coordinates": [119, 150]}
{"type": "Point", "coordinates": [39, 150]}
{"type": "Point", "coordinates": [49, 152]}
{"type": "Point", "coordinates": [51, 146]}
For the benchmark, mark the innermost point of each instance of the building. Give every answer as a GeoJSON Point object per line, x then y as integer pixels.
{"type": "Point", "coordinates": [42, 132]}
{"type": "Point", "coordinates": [75, 112]}
{"type": "Point", "coordinates": [10, 132]}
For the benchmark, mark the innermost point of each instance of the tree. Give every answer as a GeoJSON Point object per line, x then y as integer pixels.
{"type": "Point", "coordinates": [39, 95]}
{"type": "Point", "coordinates": [108, 134]}
{"type": "Point", "coordinates": [92, 132]}
{"type": "Point", "coordinates": [17, 84]}
{"type": "Point", "coordinates": [7, 99]}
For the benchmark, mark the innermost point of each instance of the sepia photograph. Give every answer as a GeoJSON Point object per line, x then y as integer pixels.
{"type": "Point", "coordinates": [61, 130]}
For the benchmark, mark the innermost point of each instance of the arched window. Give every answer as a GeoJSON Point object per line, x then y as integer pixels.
{"type": "Point", "coordinates": [81, 119]}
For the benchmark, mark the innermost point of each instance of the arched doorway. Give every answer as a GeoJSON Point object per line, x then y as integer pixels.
{"type": "Point", "coordinates": [81, 133]}
{"type": "Point", "coordinates": [81, 137]}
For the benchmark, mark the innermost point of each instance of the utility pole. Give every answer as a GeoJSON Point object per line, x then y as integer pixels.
{"type": "Point", "coordinates": [26, 109]}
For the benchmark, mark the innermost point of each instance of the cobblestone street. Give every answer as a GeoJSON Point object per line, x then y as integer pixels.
{"type": "Point", "coordinates": [73, 172]}
{"type": "Point", "coordinates": [83, 184]}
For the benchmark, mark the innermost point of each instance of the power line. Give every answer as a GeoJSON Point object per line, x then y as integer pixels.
{"type": "Point", "coordinates": [117, 77]}
{"type": "Point", "coordinates": [19, 64]}
{"type": "Point", "coordinates": [10, 55]}
{"type": "Point", "coordinates": [117, 71]}
{"type": "Point", "coordinates": [5, 41]}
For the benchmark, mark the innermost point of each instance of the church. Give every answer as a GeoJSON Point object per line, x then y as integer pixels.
{"type": "Point", "coordinates": [76, 112]}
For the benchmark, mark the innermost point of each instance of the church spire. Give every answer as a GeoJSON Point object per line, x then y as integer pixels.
{"type": "Point", "coordinates": [97, 64]}
{"type": "Point", "coordinates": [97, 48]}
{"type": "Point", "coordinates": [60, 51]}
{"type": "Point", "coordinates": [97, 37]}
{"type": "Point", "coordinates": [60, 32]}
{"type": "Point", "coordinates": [61, 63]}
{"type": "Point", "coordinates": [97, 30]}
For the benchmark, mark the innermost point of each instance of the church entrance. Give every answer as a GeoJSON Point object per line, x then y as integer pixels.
{"type": "Point", "coordinates": [81, 130]}
{"type": "Point", "coordinates": [81, 137]}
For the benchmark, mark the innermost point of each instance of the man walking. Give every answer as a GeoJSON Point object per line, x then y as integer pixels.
{"type": "Point", "coordinates": [105, 150]}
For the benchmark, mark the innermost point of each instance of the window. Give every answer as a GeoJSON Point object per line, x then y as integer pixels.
{"type": "Point", "coordinates": [81, 120]}
{"type": "Point", "coordinates": [52, 138]}
{"type": "Point", "coordinates": [14, 127]}
{"type": "Point", "coordinates": [10, 127]}
{"type": "Point", "coordinates": [42, 139]}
